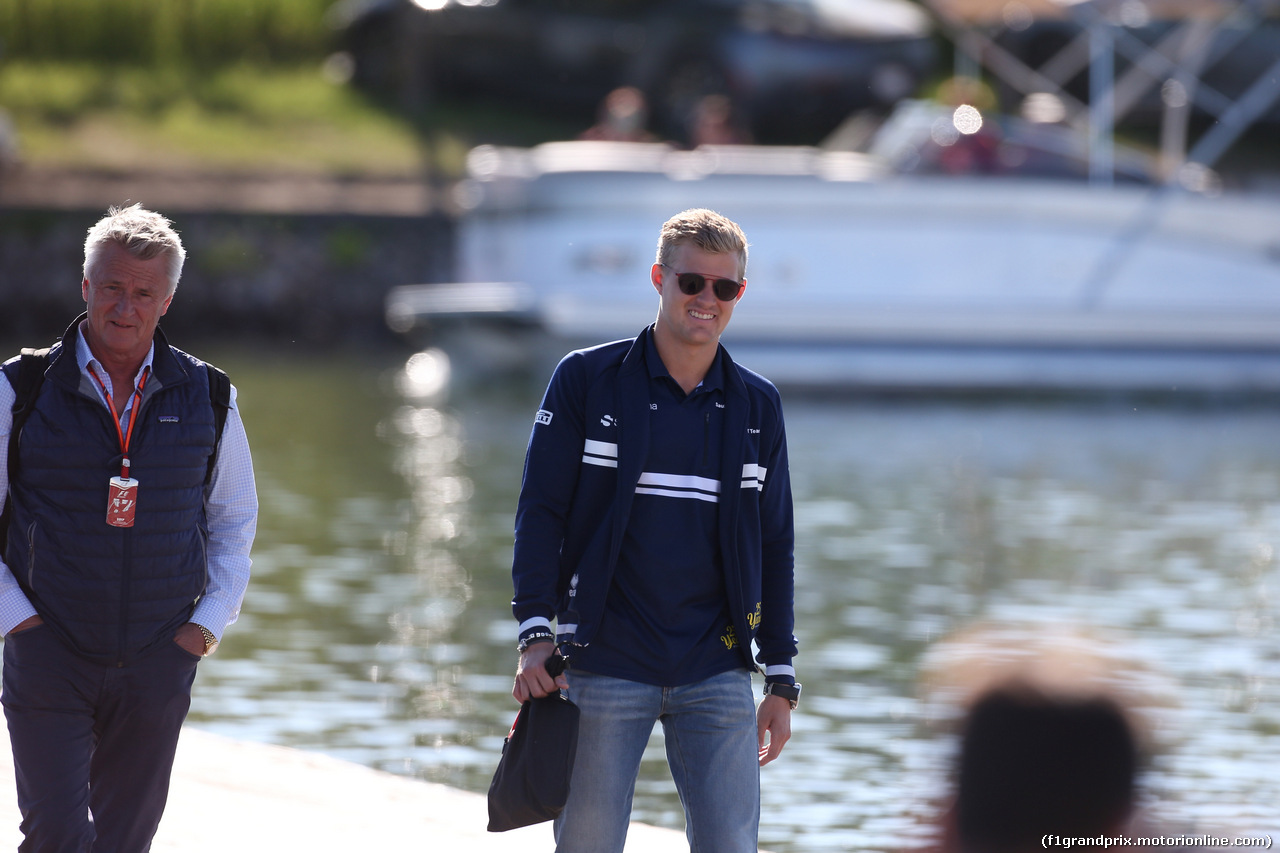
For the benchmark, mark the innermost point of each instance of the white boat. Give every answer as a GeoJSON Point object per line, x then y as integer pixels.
{"type": "Point", "coordinates": [860, 277]}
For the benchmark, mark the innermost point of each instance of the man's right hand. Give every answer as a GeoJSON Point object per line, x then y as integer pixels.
{"type": "Point", "coordinates": [532, 679]}
{"type": "Point", "coordinates": [25, 624]}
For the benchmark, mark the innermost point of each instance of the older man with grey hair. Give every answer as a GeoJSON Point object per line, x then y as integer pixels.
{"type": "Point", "coordinates": [129, 512]}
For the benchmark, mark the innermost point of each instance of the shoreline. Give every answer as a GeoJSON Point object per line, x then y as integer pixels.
{"type": "Point", "coordinates": [257, 798]}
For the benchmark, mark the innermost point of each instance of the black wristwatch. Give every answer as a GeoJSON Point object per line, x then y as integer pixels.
{"type": "Point", "coordinates": [790, 692]}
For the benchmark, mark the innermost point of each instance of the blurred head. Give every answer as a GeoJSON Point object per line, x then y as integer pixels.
{"type": "Point", "coordinates": [625, 109]}
{"type": "Point", "coordinates": [1033, 762]}
{"type": "Point", "coordinates": [705, 230]}
{"type": "Point", "coordinates": [142, 233]}
{"type": "Point", "coordinates": [1054, 722]}
{"type": "Point", "coordinates": [713, 123]}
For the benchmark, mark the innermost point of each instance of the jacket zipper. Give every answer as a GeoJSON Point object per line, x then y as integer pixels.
{"type": "Point", "coordinates": [706, 438]}
{"type": "Point", "coordinates": [127, 554]}
{"type": "Point", "coordinates": [31, 555]}
{"type": "Point", "coordinates": [126, 574]}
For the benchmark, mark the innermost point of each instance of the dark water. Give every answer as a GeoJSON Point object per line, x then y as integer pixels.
{"type": "Point", "coordinates": [377, 625]}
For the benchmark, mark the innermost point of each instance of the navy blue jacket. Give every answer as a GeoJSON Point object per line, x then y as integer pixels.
{"type": "Point", "coordinates": [585, 456]}
{"type": "Point", "coordinates": [112, 593]}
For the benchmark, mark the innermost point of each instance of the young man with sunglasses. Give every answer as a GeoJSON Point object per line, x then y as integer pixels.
{"type": "Point", "coordinates": [655, 527]}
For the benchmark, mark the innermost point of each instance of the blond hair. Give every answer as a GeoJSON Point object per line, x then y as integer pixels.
{"type": "Point", "coordinates": [707, 230]}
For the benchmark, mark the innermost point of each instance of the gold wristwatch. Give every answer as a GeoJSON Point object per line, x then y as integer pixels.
{"type": "Point", "coordinates": [210, 641]}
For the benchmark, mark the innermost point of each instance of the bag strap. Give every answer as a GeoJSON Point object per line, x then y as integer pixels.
{"type": "Point", "coordinates": [31, 368]}
{"type": "Point", "coordinates": [220, 397]}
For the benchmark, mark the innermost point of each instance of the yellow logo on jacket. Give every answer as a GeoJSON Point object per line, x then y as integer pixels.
{"type": "Point", "coordinates": [730, 637]}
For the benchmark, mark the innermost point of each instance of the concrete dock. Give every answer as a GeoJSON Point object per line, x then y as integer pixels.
{"type": "Point", "coordinates": [254, 798]}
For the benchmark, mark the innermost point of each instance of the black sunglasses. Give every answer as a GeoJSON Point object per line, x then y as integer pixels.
{"type": "Point", "coordinates": [691, 284]}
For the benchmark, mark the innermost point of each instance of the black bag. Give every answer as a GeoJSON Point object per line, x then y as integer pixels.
{"type": "Point", "coordinates": [531, 784]}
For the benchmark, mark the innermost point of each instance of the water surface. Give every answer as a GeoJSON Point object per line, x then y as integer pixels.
{"type": "Point", "coordinates": [377, 627]}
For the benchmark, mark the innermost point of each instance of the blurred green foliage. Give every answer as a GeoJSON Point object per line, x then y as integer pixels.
{"type": "Point", "coordinates": [220, 84]}
{"type": "Point", "coordinates": [348, 247]}
{"type": "Point", "coordinates": [228, 254]}
{"type": "Point", "coordinates": [198, 33]}
{"type": "Point", "coordinates": [237, 116]}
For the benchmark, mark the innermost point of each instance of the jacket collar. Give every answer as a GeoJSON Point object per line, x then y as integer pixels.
{"type": "Point", "coordinates": [166, 369]}
{"type": "Point", "coordinates": [634, 361]}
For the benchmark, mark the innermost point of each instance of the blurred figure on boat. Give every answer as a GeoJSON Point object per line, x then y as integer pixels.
{"type": "Point", "coordinates": [967, 144]}
{"type": "Point", "coordinates": [713, 123]}
{"type": "Point", "coordinates": [623, 117]}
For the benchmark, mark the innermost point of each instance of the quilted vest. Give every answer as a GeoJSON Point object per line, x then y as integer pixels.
{"type": "Point", "coordinates": [113, 593]}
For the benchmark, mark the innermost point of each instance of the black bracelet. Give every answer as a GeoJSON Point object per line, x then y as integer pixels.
{"type": "Point", "coordinates": [535, 637]}
{"type": "Point", "coordinates": [790, 692]}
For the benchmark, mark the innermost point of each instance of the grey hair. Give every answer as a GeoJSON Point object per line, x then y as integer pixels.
{"type": "Point", "coordinates": [142, 233]}
{"type": "Point", "coordinates": [706, 229]}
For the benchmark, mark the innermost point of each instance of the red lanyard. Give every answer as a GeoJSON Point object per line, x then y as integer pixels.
{"type": "Point", "coordinates": [125, 437]}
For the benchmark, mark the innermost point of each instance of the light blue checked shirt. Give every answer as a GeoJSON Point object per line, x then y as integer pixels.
{"type": "Point", "coordinates": [231, 504]}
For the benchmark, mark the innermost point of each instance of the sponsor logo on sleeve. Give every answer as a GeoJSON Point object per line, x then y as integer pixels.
{"type": "Point", "coordinates": [543, 417]}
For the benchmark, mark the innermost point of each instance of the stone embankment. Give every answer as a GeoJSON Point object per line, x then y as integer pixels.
{"type": "Point", "coordinates": [301, 259]}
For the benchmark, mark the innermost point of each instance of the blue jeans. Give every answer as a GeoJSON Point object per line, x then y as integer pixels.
{"type": "Point", "coordinates": [710, 731]}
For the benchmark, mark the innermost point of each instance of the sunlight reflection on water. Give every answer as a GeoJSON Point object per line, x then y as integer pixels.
{"type": "Point", "coordinates": [378, 626]}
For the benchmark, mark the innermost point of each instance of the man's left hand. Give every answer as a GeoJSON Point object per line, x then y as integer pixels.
{"type": "Point", "coordinates": [191, 639]}
{"type": "Point", "coordinates": [773, 724]}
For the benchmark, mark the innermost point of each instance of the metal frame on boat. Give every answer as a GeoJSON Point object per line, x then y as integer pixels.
{"type": "Point", "coordinates": [861, 276]}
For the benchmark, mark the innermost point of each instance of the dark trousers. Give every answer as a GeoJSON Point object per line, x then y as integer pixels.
{"type": "Point", "coordinates": [93, 744]}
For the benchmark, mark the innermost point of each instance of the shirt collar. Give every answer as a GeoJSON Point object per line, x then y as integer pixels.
{"type": "Point", "coordinates": [713, 381]}
{"type": "Point", "coordinates": [85, 358]}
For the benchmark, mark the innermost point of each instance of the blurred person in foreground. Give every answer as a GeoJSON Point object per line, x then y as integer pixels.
{"type": "Point", "coordinates": [1050, 743]}
{"type": "Point", "coordinates": [128, 548]}
{"type": "Point", "coordinates": [655, 524]}
{"type": "Point", "coordinates": [1033, 763]}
